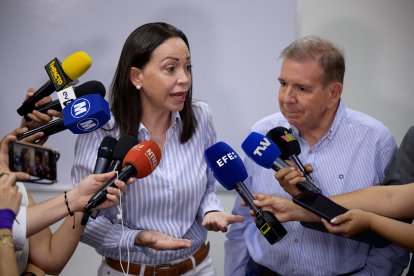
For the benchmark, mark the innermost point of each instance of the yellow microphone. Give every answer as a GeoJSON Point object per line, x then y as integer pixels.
{"type": "Point", "coordinates": [61, 74]}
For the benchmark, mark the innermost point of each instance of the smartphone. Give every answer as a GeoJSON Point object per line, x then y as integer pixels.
{"type": "Point", "coordinates": [325, 208]}
{"type": "Point", "coordinates": [36, 160]}
{"type": "Point", "coordinates": [319, 204]}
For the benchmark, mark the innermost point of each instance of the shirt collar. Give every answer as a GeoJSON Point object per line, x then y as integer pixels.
{"type": "Point", "coordinates": [143, 131]}
{"type": "Point", "coordinates": [339, 116]}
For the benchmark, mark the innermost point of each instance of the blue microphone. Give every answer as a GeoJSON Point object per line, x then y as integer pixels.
{"type": "Point", "coordinates": [265, 153]}
{"type": "Point", "coordinates": [230, 171]}
{"type": "Point", "coordinates": [82, 115]}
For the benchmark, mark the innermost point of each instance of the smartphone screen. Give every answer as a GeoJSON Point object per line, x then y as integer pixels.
{"type": "Point", "coordinates": [319, 204]}
{"type": "Point", "coordinates": [38, 161]}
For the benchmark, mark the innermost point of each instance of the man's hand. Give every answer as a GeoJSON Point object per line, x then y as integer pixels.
{"type": "Point", "coordinates": [289, 177]}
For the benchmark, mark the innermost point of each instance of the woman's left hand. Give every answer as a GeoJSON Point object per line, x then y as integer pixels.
{"type": "Point", "coordinates": [219, 221]}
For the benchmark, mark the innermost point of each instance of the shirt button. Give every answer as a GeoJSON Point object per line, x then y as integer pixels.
{"type": "Point", "coordinates": [292, 270]}
{"type": "Point", "coordinates": [296, 240]}
{"type": "Point", "coordinates": [310, 151]}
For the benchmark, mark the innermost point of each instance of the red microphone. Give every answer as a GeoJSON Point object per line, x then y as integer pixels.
{"type": "Point", "coordinates": [140, 161]}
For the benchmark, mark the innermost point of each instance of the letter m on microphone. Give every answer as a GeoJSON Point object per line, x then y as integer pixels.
{"type": "Point", "coordinates": [86, 114]}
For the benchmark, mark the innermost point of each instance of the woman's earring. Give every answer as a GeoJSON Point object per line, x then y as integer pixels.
{"type": "Point", "coordinates": [138, 87]}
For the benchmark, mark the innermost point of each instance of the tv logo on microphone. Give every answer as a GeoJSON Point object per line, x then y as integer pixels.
{"type": "Point", "coordinates": [89, 124]}
{"type": "Point", "coordinates": [80, 108]}
{"type": "Point", "coordinates": [263, 146]}
{"type": "Point", "coordinates": [56, 74]}
{"type": "Point", "coordinates": [226, 158]}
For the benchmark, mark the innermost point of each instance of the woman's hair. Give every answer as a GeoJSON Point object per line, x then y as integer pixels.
{"type": "Point", "coordinates": [325, 52]}
{"type": "Point", "coordinates": [126, 104]}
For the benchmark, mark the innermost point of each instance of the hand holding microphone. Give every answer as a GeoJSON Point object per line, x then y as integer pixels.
{"type": "Point", "coordinates": [139, 162]}
{"type": "Point", "coordinates": [230, 171]}
{"type": "Point", "coordinates": [82, 115]}
{"type": "Point", "coordinates": [66, 96]}
{"type": "Point", "coordinates": [290, 149]}
{"type": "Point", "coordinates": [266, 154]}
{"type": "Point", "coordinates": [60, 75]}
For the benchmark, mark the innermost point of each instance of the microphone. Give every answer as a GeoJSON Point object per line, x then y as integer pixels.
{"type": "Point", "coordinates": [140, 162]}
{"type": "Point", "coordinates": [266, 154]}
{"type": "Point", "coordinates": [290, 149]}
{"type": "Point", "coordinates": [230, 171]}
{"type": "Point", "coordinates": [60, 75]}
{"type": "Point", "coordinates": [125, 143]}
{"type": "Point", "coordinates": [83, 115]}
{"type": "Point", "coordinates": [71, 93]}
{"type": "Point", "coordinates": [105, 153]}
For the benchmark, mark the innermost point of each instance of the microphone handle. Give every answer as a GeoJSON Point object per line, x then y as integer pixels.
{"type": "Point", "coordinates": [48, 129]}
{"type": "Point", "coordinates": [101, 166]}
{"type": "Point", "coordinates": [246, 196]}
{"type": "Point", "coordinates": [127, 172]}
{"type": "Point", "coordinates": [115, 165]}
{"type": "Point", "coordinates": [28, 105]}
{"type": "Point", "coordinates": [55, 105]}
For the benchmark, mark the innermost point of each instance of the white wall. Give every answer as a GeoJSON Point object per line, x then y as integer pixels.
{"type": "Point", "coordinates": [378, 39]}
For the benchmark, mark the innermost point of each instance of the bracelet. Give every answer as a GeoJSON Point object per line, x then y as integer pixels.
{"type": "Point", "coordinates": [69, 210]}
{"type": "Point", "coordinates": [6, 218]}
{"type": "Point", "coordinates": [7, 239]}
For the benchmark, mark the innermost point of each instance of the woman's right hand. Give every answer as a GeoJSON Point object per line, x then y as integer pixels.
{"type": "Point", "coordinates": [160, 241]}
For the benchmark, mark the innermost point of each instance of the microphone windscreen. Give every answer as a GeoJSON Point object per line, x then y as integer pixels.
{"type": "Point", "coordinates": [144, 157]}
{"type": "Point", "coordinates": [261, 149]}
{"type": "Point", "coordinates": [86, 114]}
{"type": "Point", "coordinates": [106, 149]}
{"type": "Point", "coordinates": [90, 87]}
{"type": "Point", "coordinates": [124, 144]}
{"type": "Point", "coordinates": [226, 164]}
{"type": "Point", "coordinates": [76, 64]}
{"type": "Point", "coordinates": [285, 140]}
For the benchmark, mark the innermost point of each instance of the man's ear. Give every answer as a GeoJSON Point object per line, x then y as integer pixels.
{"type": "Point", "coordinates": [335, 92]}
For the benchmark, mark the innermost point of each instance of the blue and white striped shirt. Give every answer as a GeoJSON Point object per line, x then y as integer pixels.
{"type": "Point", "coordinates": [172, 200]}
{"type": "Point", "coordinates": [353, 155]}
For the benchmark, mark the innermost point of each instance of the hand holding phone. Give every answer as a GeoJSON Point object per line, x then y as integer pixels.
{"type": "Point", "coordinates": [33, 159]}
{"type": "Point", "coordinates": [327, 209]}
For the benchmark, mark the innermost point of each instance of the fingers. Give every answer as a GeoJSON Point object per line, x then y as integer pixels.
{"type": "Point", "coordinates": [103, 177]}
{"type": "Point", "coordinates": [43, 101]}
{"type": "Point", "coordinates": [22, 176]}
{"type": "Point", "coordinates": [235, 218]}
{"type": "Point", "coordinates": [33, 138]}
{"type": "Point", "coordinates": [308, 168]}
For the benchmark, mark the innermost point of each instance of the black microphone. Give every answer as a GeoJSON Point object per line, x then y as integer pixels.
{"type": "Point", "coordinates": [105, 155]}
{"type": "Point", "coordinates": [125, 143]}
{"type": "Point", "coordinates": [60, 75]}
{"type": "Point", "coordinates": [71, 93]}
{"type": "Point", "coordinates": [140, 161]}
{"type": "Point", "coordinates": [290, 149]}
{"type": "Point", "coordinates": [265, 153]}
